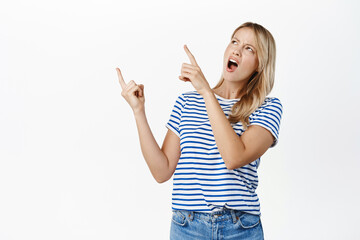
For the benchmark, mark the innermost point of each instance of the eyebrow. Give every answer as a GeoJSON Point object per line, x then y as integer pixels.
{"type": "Point", "coordinates": [245, 43]}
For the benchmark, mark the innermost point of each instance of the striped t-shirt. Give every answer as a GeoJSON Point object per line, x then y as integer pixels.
{"type": "Point", "coordinates": [201, 181]}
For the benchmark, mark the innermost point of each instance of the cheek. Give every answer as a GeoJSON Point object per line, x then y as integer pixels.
{"type": "Point", "coordinates": [226, 53]}
{"type": "Point", "coordinates": [253, 63]}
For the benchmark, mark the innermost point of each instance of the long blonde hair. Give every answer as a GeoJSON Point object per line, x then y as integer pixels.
{"type": "Point", "coordinates": [261, 82]}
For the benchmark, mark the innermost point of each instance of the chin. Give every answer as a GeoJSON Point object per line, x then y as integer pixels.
{"type": "Point", "coordinates": [230, 76]}
{"type": "Point", "coordinates": [233, 79]}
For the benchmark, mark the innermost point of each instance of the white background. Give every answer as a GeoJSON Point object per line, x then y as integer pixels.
{"type": "Point", "coordinates": [70, 160]}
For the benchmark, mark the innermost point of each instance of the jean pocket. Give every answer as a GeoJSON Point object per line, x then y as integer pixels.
{"type": "Point", "coordinates": [247, 220]}
{"type": "Point", "coordinates": [178, 218]}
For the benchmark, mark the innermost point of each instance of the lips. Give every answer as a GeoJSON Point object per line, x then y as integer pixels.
{"type": "Point", "coordinates": [232, 64]}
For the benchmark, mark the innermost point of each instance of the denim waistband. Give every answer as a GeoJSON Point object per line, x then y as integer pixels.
{"type": "Point", "coordinates": [216, 216]}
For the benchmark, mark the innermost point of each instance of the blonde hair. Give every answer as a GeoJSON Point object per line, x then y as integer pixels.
{"type": "Point", "coordinates": [261, 82]}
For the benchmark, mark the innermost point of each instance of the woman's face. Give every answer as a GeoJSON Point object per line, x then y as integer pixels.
{"type": "Point", "coordinates": [241, 50]}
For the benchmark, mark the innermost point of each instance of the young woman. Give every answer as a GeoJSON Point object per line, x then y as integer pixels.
{"type": "Point", "coordinates": [215, 139]}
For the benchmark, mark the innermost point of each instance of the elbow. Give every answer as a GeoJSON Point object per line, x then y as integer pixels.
{"type": "Point", "coordinates": [233, 159]}
{"type": "Point", "coordinates": [161, 179]}
{"type": "Point", "coordinates": [232, 164]}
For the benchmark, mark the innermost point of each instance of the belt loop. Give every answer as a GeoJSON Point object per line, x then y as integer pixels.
{"type": "Point", "coordinates": [233, 215]}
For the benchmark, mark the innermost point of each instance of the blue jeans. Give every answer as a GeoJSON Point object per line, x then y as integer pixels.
{"type": "Point", "coordinates": [225, 224]}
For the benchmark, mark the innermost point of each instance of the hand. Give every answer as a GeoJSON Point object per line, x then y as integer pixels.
{"type": "Point", "coordinates": [133, 93]}
{"type": "Point", "coordinates": [192, 73]}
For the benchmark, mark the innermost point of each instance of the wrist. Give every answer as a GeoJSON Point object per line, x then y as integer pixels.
{"type": "Point", "coordinates": [207, 93]}
{"type": "Point", "coordinates": [139, 111]}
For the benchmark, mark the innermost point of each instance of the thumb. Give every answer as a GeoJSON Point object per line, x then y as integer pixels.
{"type": "Point", "coordinates": [142, 90]}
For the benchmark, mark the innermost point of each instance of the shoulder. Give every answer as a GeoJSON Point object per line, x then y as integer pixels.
{"type": "Point", "coordinates": [189, 96]}
{"type": "Point", "coordinates": [184, 97]}
{"type": "Point", "coordinates": [268, 115]}
{"type": "Point", "coordinates": [271, 109]}
{"type": "Point", "coordinates": [271, 103]}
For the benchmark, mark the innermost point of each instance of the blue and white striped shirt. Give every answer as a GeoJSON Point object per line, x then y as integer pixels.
{"type": "Point", "coordinates": [201, 181]}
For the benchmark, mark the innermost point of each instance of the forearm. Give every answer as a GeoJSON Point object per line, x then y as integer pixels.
{"type": "Point", "coordinates": [228, 142]}
{"type": "Point", "coordinates": [154, 157]}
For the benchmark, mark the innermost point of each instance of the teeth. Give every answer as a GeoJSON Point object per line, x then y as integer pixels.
{"type": "Point", "coordinates": [231, 60]}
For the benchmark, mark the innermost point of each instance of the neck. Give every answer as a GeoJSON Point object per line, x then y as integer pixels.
{"type": "Point", "coordinates": [230, 90]}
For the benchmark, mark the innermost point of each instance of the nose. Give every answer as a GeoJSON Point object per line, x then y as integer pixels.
{"type": "Point", "coordinates": [237, 51]}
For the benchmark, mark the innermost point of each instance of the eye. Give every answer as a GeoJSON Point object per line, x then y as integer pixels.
{"type": "Point", "coordinates": [233, 41]}
{"type": "Point", "coordinates": [250, 49]}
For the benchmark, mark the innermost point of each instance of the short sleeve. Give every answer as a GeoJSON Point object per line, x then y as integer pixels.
{"type": "Point", "coordinates": [268, 115]}
{"type": "Point", "coordinates": [175, 116]}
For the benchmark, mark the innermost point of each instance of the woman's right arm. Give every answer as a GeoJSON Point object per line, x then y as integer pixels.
{"type": "Point", "coordinates": [161, 162]}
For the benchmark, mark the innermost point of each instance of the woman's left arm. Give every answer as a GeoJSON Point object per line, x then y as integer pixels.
{"type": "Point", "coordinates": [236, 151]}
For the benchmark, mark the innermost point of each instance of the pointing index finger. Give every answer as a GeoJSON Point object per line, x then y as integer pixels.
{"type": "Point", "coordinates": [121, 79]}
{"type": "Point", "coordinates": [191, 57]}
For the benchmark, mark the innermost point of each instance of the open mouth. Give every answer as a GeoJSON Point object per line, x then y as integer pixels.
{"type": "Point", "coordinates": [232, 65]}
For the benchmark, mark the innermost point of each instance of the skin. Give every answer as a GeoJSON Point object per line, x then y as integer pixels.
{"type": "Point", "coordinates": [242, 47]}
{"type": "Point", "coordinates": [236, 151]}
